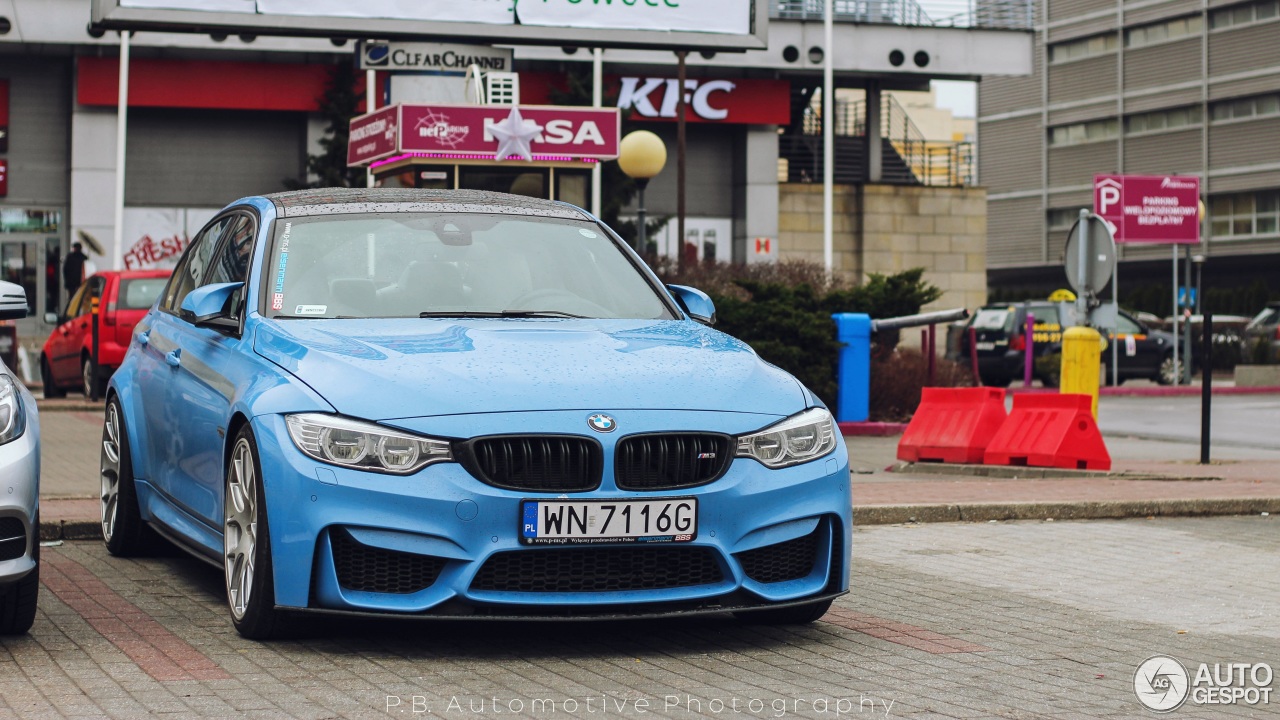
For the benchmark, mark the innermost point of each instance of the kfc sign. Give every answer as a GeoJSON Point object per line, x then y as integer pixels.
{"type": "Point", "coordinates": [764, 102]}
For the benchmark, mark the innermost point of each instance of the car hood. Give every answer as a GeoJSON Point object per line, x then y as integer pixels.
{"type": "Point", "coordinates": [398, 368]}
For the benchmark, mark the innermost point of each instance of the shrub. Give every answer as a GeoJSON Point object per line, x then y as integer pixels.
{"type": "Point", "coordinates": [898, 378]}
{"type": "Point", "coordinates": [784, 309]}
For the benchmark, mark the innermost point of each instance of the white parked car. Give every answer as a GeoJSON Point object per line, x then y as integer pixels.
{"type": "Point", "coordinates": [20, 476]}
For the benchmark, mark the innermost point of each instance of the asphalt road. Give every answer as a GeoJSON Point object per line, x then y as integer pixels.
{"type": "Point", "coordinates": [954, 620]}
{"type": "Point", "coordinates": [1238, 421]}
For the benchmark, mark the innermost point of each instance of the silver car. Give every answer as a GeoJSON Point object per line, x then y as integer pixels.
{"type": "Point", "coordinates": [19, 487]}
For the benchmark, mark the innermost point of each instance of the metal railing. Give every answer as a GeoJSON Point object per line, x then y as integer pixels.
{"type": "Point", "coordinates": [987, 14]}
{"type": "Point", "coordinates": [920, 160]}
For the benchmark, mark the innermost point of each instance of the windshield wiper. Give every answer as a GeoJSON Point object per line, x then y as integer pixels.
{"type": "Point", "coordinates": [500, 314]}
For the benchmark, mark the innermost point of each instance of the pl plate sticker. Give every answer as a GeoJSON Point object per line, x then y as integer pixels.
{"type": "Point", "coordinates": [587, 233]}
{"type": "Point", "coordinates": [311, 310]}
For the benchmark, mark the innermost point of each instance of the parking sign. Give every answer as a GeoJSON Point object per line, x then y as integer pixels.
{"type": "Point", "coordinates": [1149, 208]}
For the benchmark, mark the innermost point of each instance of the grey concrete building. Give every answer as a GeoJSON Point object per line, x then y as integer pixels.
{"type": "Point", "coordinates": [1143, 87]}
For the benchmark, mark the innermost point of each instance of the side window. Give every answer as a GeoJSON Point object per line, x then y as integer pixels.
{"type": "Point", "coordinates": [96, 285]}
{"type": "Point", "coordinates": [193, 265]}
{"type": "Point", "coordinates": [231, 263]}
{"type": "Point", "coordinates": [1125, 326]}
{"type": "Point", "coordinates": [73, 305]}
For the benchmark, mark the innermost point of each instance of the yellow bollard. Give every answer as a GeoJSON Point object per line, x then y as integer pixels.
{"type": "Point", "coordinates": [1081, 362]}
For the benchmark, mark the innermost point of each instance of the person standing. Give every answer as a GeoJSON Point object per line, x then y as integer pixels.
{"type": "Point", "coordinates": [73, 268]}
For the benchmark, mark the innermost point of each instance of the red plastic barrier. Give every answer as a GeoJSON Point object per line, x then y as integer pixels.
{"type": "Point", "coordinates": [1050, 431]}
{"type": "Point", "coordinates": [953, 425]}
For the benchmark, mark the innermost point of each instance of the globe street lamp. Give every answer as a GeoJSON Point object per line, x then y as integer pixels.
{"type": "Point", "coordinates": [641, 156]}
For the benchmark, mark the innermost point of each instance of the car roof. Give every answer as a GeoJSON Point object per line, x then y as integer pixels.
{"type": "Point", "coordinates": [342, 201]}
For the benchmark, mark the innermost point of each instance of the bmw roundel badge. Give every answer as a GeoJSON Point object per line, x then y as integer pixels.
{"type": "Point", "coordinates": [602, 423]}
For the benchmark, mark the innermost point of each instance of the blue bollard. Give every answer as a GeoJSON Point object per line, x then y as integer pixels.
{"type": "Point", "coordinates": [853, 330]}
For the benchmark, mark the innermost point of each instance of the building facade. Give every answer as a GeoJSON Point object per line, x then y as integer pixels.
{"type": "Point", "coordinates": [1140, 87]}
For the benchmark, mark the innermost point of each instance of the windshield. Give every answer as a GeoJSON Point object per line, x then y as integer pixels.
{"type": "Point", "coordinates": [452, 265]}
{"type": "Point", "coordinates": [1264, 318]}
{"type": "Point", "coordinates": [140, 293]}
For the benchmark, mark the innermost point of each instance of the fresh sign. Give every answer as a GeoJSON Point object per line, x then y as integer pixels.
{"type": "Point", "coordinates": [1149, 208]}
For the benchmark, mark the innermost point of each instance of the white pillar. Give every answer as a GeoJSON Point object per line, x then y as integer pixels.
{"type": "Point", "coordinates": [597, 98]}
{"type": "Point", "coordinates": [122, 127]}
{"type": "Point", "coordinates": [370, 104]}
{"type": "Point", "coordinates": [828, 137]}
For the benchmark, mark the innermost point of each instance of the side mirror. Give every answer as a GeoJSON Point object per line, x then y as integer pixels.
{"type": "Point", "coordinates": [207, 305]}
{"type": "Point", "coordinates": [51, 318]}
{"type": "Point", "coordinates": [13, 301]}
{"type": "Point", "coordinates": [695, 303]}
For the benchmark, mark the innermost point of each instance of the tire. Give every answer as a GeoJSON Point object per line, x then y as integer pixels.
{"type": "Point", "coordinates": [1167, 373]}
{"type": "Point", "coordinates": [246, 536]}
{"type": "Point", "coordinates": [86, 378]}
{"type": "Point", "coordinates": [18, 601]}
{"type": "Point", "coordinates": [51, 389]}
{"type": "Point", "coordinates": [794, 615]}
{"type": "Point", "coordinates": [123, 529]}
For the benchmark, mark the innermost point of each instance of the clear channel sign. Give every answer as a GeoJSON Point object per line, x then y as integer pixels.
{"type": "Point", "coordinates": [658, 24]}
{"type": "Point", "coordinates": [1149, 208]}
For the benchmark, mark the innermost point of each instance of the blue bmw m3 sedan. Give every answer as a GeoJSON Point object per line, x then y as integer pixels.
{"type": "Point", "coordinates": [464, 404]}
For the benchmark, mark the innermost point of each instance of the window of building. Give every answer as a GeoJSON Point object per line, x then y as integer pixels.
{"type": "Point", "coordinates": [1082, 48]}
{"type": "Point", "coordinates": [1245, 214]}
{"type": "Point", "coordinates": [1085, 132]}
{"type": "Point", "coordinates": [1163, 120]}
{"type": "Point", "coordinates": [1062, 218]}
{"type": "Point", "coordinates": [1167, 30]}
{"type": "Point", "coordinates": [1245, 14]}
{"type": "Point", "coordinates": [1241, 108]}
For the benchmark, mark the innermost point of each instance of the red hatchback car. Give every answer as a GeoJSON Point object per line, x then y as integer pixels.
{"type": "Point", "coordinates": [124, 297]}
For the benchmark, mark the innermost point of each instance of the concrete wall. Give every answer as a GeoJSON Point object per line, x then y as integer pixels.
{"type": "Point", "coordinates": [941, 229]}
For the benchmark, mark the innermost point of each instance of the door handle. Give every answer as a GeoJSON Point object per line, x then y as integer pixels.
{"type": "Point", "coordinates": [174, 358]}
{"type": "Point", "coordinates": [144, 338]}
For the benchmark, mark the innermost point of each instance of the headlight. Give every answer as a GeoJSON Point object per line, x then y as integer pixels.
{"type": "Point", "coordinates": [364, 446]}
{"type": "Point", "coordinates": [798, 439]}
{"type": "Point", "coordinates": [13, 422]}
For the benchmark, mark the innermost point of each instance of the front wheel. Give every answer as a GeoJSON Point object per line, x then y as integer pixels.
{"type": "Point", "coordinates": [89, 379]}
{"type": "Point", "coordinates": [123, 530]}
{"type": "Point", "coordinates": [1169, 371]}
{"type": "Point", "coordinates": [247, 544]}
{"type": "Point", "coordinates": [794, 615]}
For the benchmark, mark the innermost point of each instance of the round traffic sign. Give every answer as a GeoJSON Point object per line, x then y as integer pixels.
{"type": "Point", "coordinates": [1099, 256]}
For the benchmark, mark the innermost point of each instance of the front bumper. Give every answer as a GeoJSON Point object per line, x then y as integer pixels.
{"type": "Point", "coordinates": [20, 498]}
{"type": "Point", "coordinates": [444, 544]}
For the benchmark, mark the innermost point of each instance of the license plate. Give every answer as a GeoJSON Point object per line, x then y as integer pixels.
{"type": "Point", "coordinates": [558, 522]}
{"type": "Point", "coordinates": [986, 346]}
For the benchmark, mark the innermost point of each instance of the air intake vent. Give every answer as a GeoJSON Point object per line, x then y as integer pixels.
{"type": "Point", "coordinates": [599, 569]}
{"type": "Point", "coordinates": [537, 463]}
{"type": "Point", "coordinates": [371, 569]}
{"type": "Point", "coordinates": [671, 460]}
{"type": "Point", "coordinates": [790, 560]}
{"type": "Point", "coordinates": [13, 538]}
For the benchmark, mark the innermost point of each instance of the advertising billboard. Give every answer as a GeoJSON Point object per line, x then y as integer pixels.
{"type": "Point", "coordinates": [657, 24]}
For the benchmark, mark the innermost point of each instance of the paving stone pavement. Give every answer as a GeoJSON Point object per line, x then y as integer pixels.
{"type": "Point", "coordinates": [1002, 620]}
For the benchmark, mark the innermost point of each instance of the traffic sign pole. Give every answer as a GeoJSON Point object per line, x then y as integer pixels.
{"type": "Point", "coordinates": [1177, 372]}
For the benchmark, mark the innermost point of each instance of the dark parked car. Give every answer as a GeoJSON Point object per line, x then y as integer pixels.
{"type": "Point", "coordinates": [1261, 342]}
{"type": "Point", "coordinates": [1001, 344]}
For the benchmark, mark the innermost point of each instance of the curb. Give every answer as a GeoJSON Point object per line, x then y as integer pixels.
{"type": "Point", "coordinates": [899, 514]}
{"type": "Point", "coordinates": [871, 429]}
{"type": "Point", "coordinates": [1022, 472]}
{"type": "Point", "coordinates": [70, 530]}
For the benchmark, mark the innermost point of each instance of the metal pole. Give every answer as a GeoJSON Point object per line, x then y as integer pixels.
{"type": "Point", "coordinates": [641, 238]}
{"type": "Point", "coordinates": [1177, 376]}
{"type": "Point", "coordinates": [1082, 300]}
{"type": "Point", "coordinates": [597, 97]}
{"type": "Point", "coordinates": [371, 104]}
{"type": "Point", "coordinates": [122, 127]}
{"type": "Point", "coordinates": [680, 153]}
{"type": "Point", "coordinates": [1115, 349]}
{"type": "Point", "coordinates": [828, 137]}
{"type": "Point", "coordinates": [973, 356]}
{"type": "Point", "coordinates": [1187, 354]}
{"type": "Point", "coordinates": [933, 353]}
{"type": "Point", "coordinates": [1029, 350]}
{"type": "Point", "coordinates": [1206, 389]}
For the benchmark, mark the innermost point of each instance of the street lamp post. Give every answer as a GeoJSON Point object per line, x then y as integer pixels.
{"type": "Point", "coordinates": [641, 156]}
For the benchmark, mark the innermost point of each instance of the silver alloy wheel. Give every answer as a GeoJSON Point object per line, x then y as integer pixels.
{"type": "Point", "coordinates": [1170, 371]}
{"type": "Point", "coordinates": [86, 377]}
{"type": "Point", "coordinates": [110, 466]}
{"type": "Point", "coordinates": [240, 531]}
